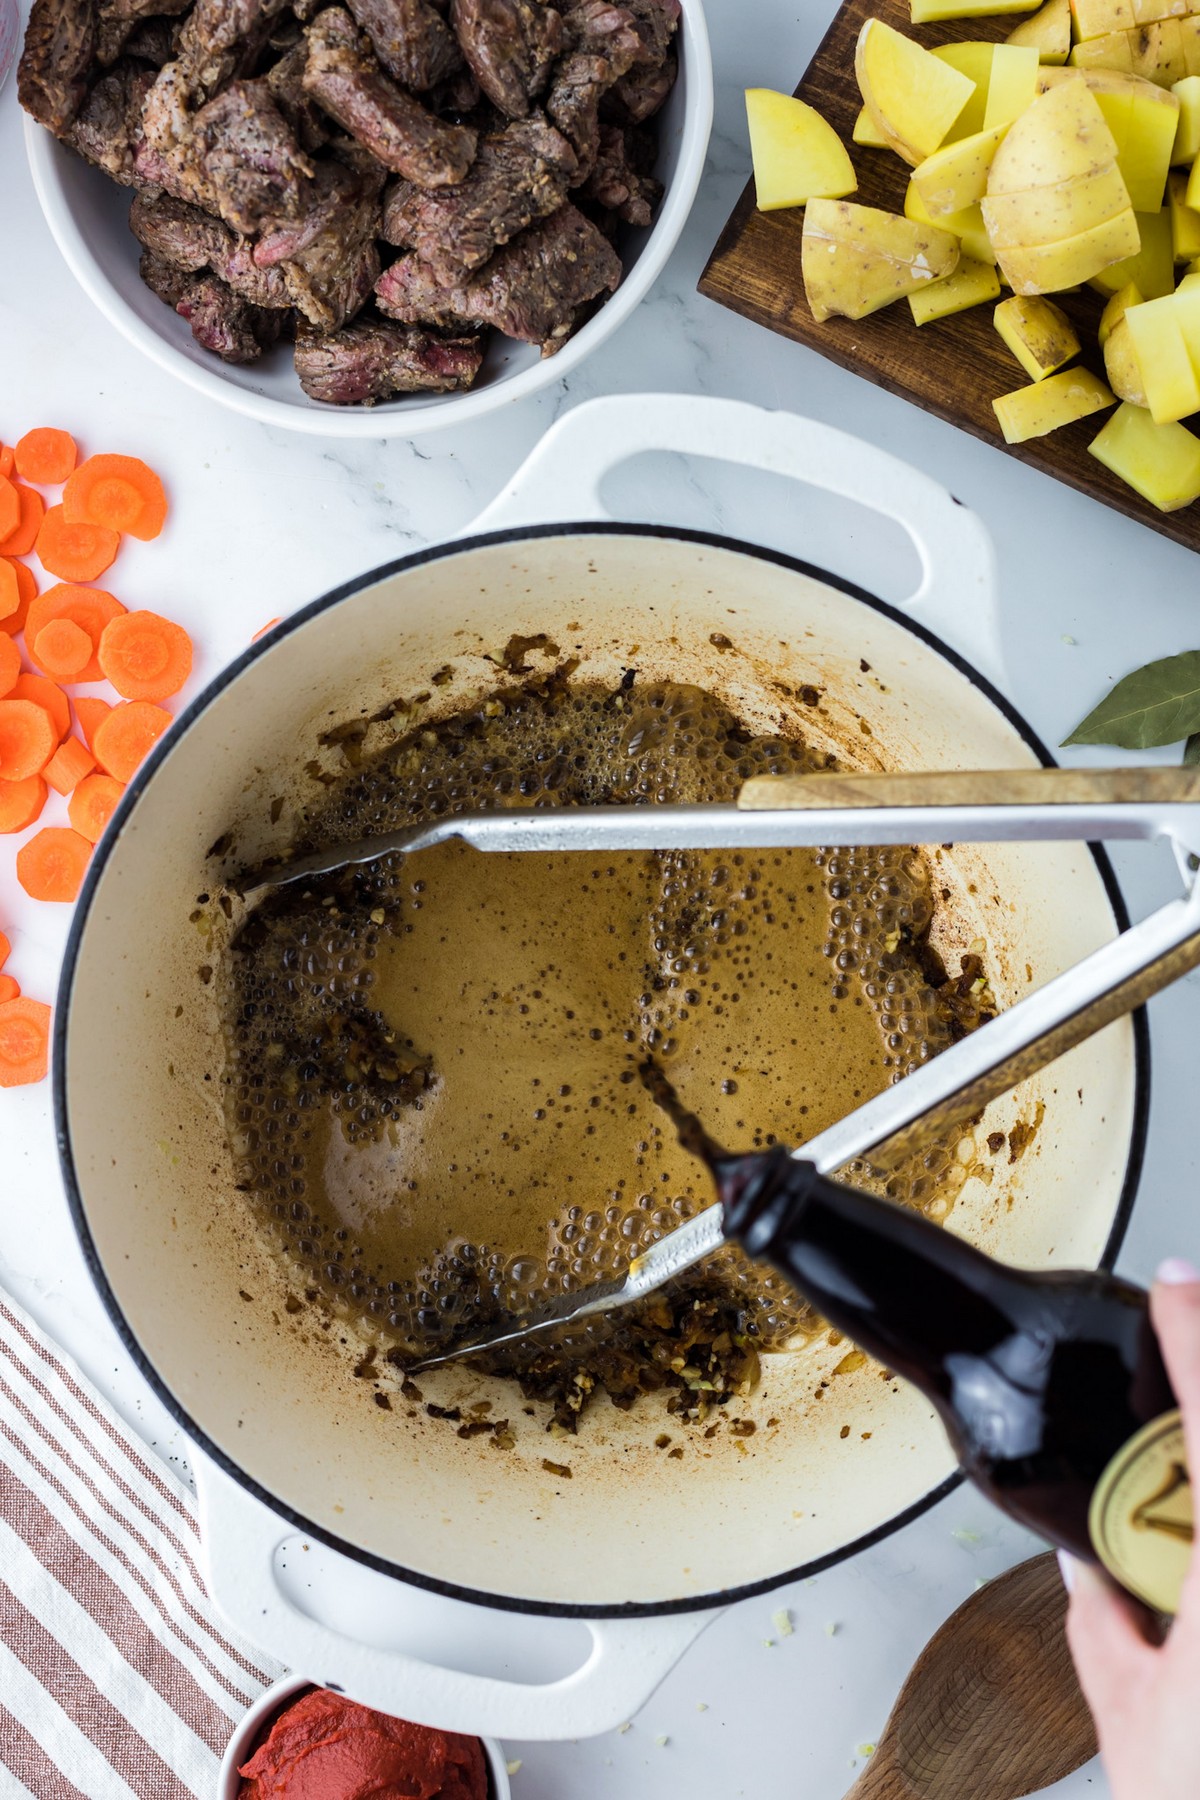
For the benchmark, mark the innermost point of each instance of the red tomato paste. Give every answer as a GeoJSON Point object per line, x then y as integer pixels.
{"type": "Point", "coordinates": [324, 1747]}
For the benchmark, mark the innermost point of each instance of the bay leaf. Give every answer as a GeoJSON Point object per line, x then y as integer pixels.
{"type": "Point", "coordinates": [1156, 704]}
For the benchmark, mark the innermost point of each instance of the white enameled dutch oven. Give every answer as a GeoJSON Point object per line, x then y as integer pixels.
{"type": "Point", "coordinates": [295, 1466]}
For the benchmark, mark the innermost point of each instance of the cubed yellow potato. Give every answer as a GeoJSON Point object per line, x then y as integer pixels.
{"type": "Point", "coordinates": [797, 155]}
{"type": "Point", "coordinates": [1152, 269]}
{"type": "Point", "coordinates": [856, 259]}
{"type": "Point", "coordinates": [1012, 85]}
{"type": "Point", "coordinates": [955, 177]}
{"type": "Point", "coordinates": [1163, 359]}
{"type": "Point", "coordinates": [1112, 51]}
{"type": "Point", "coordinates": [1048, 405]}
{"type": "Point", "coordinates": [1185, 222]}
{"type": "Point", "coordinates": [971, 284]}
{"type": "Point", "coordinates": [1096, 18]}
{"type": "Point", "coordinates": [974, 60]}
{"type": "Point", "coordinates": [1038, 333]}
{"type": "Point", "coordinates": [1121, 365]}
{"type": "Point", "coordinates": [1160, 462]}
{"type": "Point", "coordinates": [1189, 37]}
{"type": "Point", "coordinates": [1116, 309]}
{"type": "Point", "coordinates": [1143, 120]}
{"type": "Point", "coordinates": [1060, 210]}
{"type": "Point", "coordinates": [866, 131]}
{"type": "Point", "coordinates": [1049, 31]}
{"type": "Point", "coordinates": [1156, 51]}
{"type": "Point", "coordinates": [1050, 268]}
{"type": "Point", "coordinates": [967, 226]}
{"type": "Point", "coordinates": [914, 97]}
{"type": "Point", "coordinates": [933, 12]}
{"type": "Point", "coordinates": [1060, 137]}
{"type": "Point", "coordinates": [1192, 192]}
{"type": "Point", "coordinates": [1187, 125]}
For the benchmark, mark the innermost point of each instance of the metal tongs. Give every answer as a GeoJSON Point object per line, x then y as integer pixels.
{"type": "Point", "coordinates": [1094, 805]}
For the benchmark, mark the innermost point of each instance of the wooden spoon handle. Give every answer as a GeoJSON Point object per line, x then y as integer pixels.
{"type": "Point", "coordinates": [881, 1780]}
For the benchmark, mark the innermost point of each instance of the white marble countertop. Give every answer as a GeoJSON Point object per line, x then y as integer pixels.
{"type": "Point", "coordinates": [263, 520]}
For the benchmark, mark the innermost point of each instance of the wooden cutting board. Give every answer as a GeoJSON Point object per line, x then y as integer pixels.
{"type": "Point", "coordinates": [954, 368]}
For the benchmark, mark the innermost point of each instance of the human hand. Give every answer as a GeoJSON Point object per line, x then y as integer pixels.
{"type": "Point", "coordinates": [1144, 1694]}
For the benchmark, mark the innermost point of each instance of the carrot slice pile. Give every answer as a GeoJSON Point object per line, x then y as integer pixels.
{"type": "Point", "coordinates": [33, 510]}
{"type": "Point", "coordinates": [45, 456]}
{"type": "Point", "coordinates": [51, 866]}
{"type": "Point", "coordinates": [26, 594]}
{"type": "Point", "coordinates": [89, 712]}
{"type": "Point", "coordinates": [10, 988]}
{"type": "Point", "coordinates": [49, 696]}
{"type": "Point", "coordinates": [5, 949]}
{"type": "Point", "coordinates": [10, 590]}
{"type": "Point", "coordinates": [145, 657]}
{"type": "Point", "coordinates": [126, 737]}
{"type": "Point", "coordinates": [24, 1042]}
{"type": "Point", "coordinates": [76, 552]}
{"type": "Point", "coordinates": [10, 508]}
{"type": "Point", "coordinates": [62, 648]}
{"type": "Point", "coordinates": [7, 458]}
{"type": "Point", "coordinates": [26, 739]}
{"type": "Point", "coordinates": [93, 804]}
{"type": "Point", "coordinates": [120, 492]}
{"type": "Point", "coordinates": [10, 664]}
{"type": "Point", "coordinates": [21, 802]}
{"type": "Point", "coordinates": [69, 765]}
{"type": "Point", "coordinates": [88, 607]}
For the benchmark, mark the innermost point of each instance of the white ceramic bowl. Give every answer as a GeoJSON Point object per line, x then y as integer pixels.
{"type": "Point", "coordinates": [239, 1746]}
{"type": "Point", "coordinates": [87, 214]}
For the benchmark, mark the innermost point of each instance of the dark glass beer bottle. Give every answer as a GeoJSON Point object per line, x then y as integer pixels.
{"type": "Point", "coordinates": [1050, 1384]}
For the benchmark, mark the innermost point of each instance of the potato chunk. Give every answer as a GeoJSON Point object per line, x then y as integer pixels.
{"type": "Point", "coordinates": [797, 156]}
{"type": "Point", "coordinates": [1048, 31]}
{"type": "Point", "coordinates": [1187, 129]}
{"type": "Point", "coordinates": [932, 12]}
{"type": "Point", "coordinates": [1048, 405]}
{"type": "Point", "coordinates": [856, 259]}
{"type": "Point", "coordinates": [971, 284]}
{"type": "Point", "coordinates": [1160, 462]}
{"type": "Point", "coordinates": [955, 177]}
{"type": "Point", "coordinates": [1163, 353]}
{"type": "Point", "coordinates": [913, 96]}
{"type": "Point", "coordinates": [1038, 333]}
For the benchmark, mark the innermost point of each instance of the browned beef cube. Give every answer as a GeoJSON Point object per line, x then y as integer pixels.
{"type": "Point", "coordinates": [258, 175]}
{"type": "Point", "coordinates": [60, 44]}
{"type": "Point", "coordinates": [118, 20]}
{"type": "Point", "coordinates": [221, 322]}
{"type": "Point", "coordinates": [617, 183]}
{"type": "Point", "coordinates": [510, 45]}
{"type": "Point", "coordinates": [347, 81]}
{"type": "Point", "coordinates": [602, 45]}
{"type": "Point", "coordinates": [108, 131]}
{"type": "Point", "coordinates": [641, 93]}
{"type": "Point", "coordinates": [286, 82]}
{"type": "Point", "coordinates": [222, 39]}
{"type": "Point", "coordinates": [533, 289]}
{"type": "Point", "coordinates": [169, 157]}
{"type": "Point", "coordinates": [371, 360]}
{"type": "Point", "coordinates": [413, 42]}
{"type": "Point", "coordinates": [520, 174]}
{"type": "Point", "coordinates": [330, 274]}
{"type": "Point", "coordinates": [656, 22]}
{"type": "Point", "coordinates": [190, 240]}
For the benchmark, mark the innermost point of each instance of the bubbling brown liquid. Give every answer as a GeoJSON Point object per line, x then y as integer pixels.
{"type": "Point", "coordinates": [433, 1096]}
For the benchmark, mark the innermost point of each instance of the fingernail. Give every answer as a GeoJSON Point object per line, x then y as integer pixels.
{"type": "Point", "coordinates": [1066, 1565]}
{"type": "Point", "coordinates": [1177, 1272]}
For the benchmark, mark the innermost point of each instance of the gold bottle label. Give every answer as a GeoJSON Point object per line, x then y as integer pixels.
{"type": "Point", "coordinates": [1141, 1514]}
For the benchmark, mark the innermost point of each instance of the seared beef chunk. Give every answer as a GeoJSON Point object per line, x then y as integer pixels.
{"type": "Point", "coordinates": [347, 81]}
{"type": "Point", "coordinates": [520, 174]}
{"type": "Point", "coordinates": [118, 20]}
{"type": "Point", "coordinates": [330, 275]}
{"type": "Point", "coordinates": [152, 41]}
{"type": "Point", "coordinates": [641, 93]}
{"type": "Point", "coordinates": [371, 360]}
{"type": "Point", "coordinates": [334, 187]}
{"type": "Point", "coordinates": [286, 82]}
{"type": "Point", "coordinates": [656, 22]}
{"type": "Point", "coordinates": [221, 321]}
{"type": "Point", "coordinates": [108, 131]}
{"type": "Point", "coordinates": [169, 156]}
{"type": "Point", "coordinates": [616, 182]}
{"type": "Point", "coordinates": [222, 39]}
{"type": "Point", "coordinates": [413, 43]}
{"type": "Point", "coordinates": [189, 240]}
{"type": "Point", "coordinates": [260, 178]}
{"type": "Point", "coordinates": [602, 45]}
{"type": "Point", "coordinates": [510, 44]}
{"type": "Point", "coordinates": [532, 289]}
{"type": "Point", "coordinates": [60, 44]}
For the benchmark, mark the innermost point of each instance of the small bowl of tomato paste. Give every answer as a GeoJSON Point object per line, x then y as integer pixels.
{"type": "Point", "coordinates": [302, 1742]}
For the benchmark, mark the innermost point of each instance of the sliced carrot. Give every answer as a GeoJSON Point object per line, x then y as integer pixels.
{"type": "Point", "coordinates": [146, 657]}
{"type": "Point", "coordinates": [127, 736]}
{"type": "Point", "coordinates": [93, 804]}
{"type": "Point", "coordinates": [10, 988]}
{"type": "Point", "coordinates": [120, 492]}
{"type": "Point", "coordinates": [51, 866]}
{"type": "Point", "coordinates": [10, 664]}
{"type": "Point", "coordinates": [61, 648]}
{"type": "Point", "coordinates": [6, 460]}
{"type": "Point", "coordinates": [10, 507]}
{"type": "Point", "coordinates": [71, 763]}
{"type": "Point", "coordinates": [90, 608]}
{"type": "Point", "coordinates": [263, 629]}
{"type": "Point", "coordinates": [49, 696]}
{"type": "Point", "coordinates": [10, 590]}
{"type": "Point", "coordinates": [5, 949]}
{"type": "Point", "coordinates": [24, 1042]}
{"type": "Point", "coordinates": [33, 510]}
{"type": "Point", "coordinates": [26, 594]}
{"type": "Point", "coordinates": [21, 802]}
{"type": "Point", "coordinates": [26, 739]}
{"type": "Point", "coordinates": [76, 552]}
{"type": "Point", "coordinates": [89, 712]}
{"type": "Point", "coordinates": [45, 456]}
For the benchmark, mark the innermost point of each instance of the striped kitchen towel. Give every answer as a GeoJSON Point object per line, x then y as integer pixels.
{"type": "Point", "coordinates": [117, 1680]}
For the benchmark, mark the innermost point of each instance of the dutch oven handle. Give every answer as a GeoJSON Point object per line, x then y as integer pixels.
{"type": "Point", "coordinates": [628, 1658]}
{"type": "Point", "coordinates": [562, 480]}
